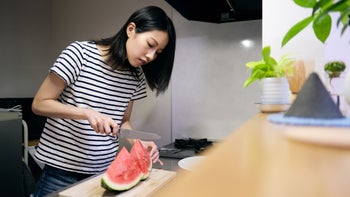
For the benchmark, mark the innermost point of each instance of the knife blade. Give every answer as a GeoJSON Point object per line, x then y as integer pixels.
{"type": "Point", "coordinates": [133, 134]}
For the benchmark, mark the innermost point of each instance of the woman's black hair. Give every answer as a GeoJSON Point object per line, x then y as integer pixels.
{"type": "Point", "coordinates": [158, 72]}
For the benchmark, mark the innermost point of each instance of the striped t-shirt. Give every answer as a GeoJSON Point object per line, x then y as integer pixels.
{"type": "Point", "coordinates": [73, 145]}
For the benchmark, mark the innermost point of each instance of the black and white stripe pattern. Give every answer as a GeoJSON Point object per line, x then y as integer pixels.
{"type": "Point", "coordinates": [72, 144]}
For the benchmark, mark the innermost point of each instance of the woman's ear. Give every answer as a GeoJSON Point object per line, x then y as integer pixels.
{"type": "Point", "coordinates": [130, 30]}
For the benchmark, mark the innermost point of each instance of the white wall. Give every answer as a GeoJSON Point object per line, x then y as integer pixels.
{"type": "Point", "coordinates": [25, 36]}
{"type": "Point", "coordinates": [208, 99]}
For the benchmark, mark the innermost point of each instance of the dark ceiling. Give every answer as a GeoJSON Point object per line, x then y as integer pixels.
{"type": "Point", "coordinates": [218, 11]}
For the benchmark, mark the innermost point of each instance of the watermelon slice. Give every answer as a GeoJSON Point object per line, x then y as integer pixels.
{"type": "Point", "coordinates": [123, 173]}
{"type": "Point", "coordinates": [142, 157]}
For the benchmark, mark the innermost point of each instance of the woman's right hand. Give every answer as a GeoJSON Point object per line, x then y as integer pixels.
{"type": "Point", "coordinates": [102, 123]}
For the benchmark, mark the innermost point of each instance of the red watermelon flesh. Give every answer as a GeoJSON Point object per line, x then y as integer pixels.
{"type": "Point", "coordinates": [142, 157]}
{"type": "Point", "coordinates": [123, 173]}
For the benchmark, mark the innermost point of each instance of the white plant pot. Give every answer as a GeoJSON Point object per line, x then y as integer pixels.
{"type": "Point", "coordinates": [275, 91]}
{"type": "Point", "coordinates": [346, 90]}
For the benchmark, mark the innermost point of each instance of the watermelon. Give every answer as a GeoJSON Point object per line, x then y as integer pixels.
{"type": "Point", "coordinates": [142, 157]}
{"type": "Point", "coordinates": [123, 173]}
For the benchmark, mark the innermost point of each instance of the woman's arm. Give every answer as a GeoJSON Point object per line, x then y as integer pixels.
{"type": "Point", "coordinates": [126, 124]}
{"type": "Point", "coordinates": [45, 103]}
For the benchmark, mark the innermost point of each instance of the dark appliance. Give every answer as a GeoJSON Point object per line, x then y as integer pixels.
{"type": "Point", "coordinates": [218, 11]}
{"type": "Point", "coordinates": [183, 148]}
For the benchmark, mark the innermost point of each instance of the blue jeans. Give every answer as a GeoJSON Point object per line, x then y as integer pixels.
{"type": "Point", "coordinates": [53, 179]}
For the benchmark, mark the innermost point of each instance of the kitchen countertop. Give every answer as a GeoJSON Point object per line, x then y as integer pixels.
{"type": "Point", "coordinates": [169, 164]}
{"type": "Point", "coordinates": [259, 159]}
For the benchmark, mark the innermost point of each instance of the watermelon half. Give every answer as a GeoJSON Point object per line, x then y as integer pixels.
{"type": "Point", "coordinates": [142, 157]}
{"type": "Point", "coordinates": [123, 173]}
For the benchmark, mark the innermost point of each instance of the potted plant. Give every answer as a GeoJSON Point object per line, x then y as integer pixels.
{"type": "Point", "coordinates": [268, 67]}
{"type": "Point", "coordinates": [273, 74]}
{"type": "Point", "coordinates": [334, 68]}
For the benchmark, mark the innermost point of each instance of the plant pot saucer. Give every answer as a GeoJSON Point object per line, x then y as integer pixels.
{"type": "Point", "coordinates": [273, 107]}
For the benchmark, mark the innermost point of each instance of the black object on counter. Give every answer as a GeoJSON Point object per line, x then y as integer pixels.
{"type": "Point", "coordinates": [196, 144]}
{"type": "Point", "coordinates": [183, 148]}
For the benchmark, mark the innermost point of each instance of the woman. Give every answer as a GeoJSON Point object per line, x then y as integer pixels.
{"type": "Point", "coordinates": [89, 92]}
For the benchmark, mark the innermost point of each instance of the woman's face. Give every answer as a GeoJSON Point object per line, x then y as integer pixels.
{"type": "Point", "coordinates": [142, 48]}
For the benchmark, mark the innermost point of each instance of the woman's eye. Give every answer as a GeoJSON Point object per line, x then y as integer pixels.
{"type": "Point", "coordinates": [149, 45]}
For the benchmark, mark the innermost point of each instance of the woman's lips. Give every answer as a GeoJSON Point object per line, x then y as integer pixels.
{"type": "Point", "coordinates": [139, 62]}
{"type": "Point", "coordinates": [143, 62]}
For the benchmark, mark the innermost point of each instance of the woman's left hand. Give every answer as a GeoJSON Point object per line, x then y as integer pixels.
{"type": "Point", "coordinates": [153, 149]}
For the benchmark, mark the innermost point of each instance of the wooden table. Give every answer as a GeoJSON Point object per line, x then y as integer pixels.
{"type": "Point", "coordinates": [259, 160]}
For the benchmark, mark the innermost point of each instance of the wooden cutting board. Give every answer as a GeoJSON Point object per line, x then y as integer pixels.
{"type": "Point", "coordinates": [92, 187]}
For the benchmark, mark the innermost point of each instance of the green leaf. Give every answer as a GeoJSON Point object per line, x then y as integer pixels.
{"type": "Point", "coordinates": [247, 82]}
{"type": "Point", "coordinates": [251, 65]}
{"type": "Point", "coordinates": [322, 27]}
{"type": "Point", "coordinates": [266, 53]}
{"type": "Point", "coordinates": [305, 3]}
{"type": "Point", "coordinates": [287, 65]}
{"type": "Point", "coordinates": [343, 29]}
{"type": "Point", "coordinates": [339, 6]}
{"type": "Point", "coordinates": [344, 19]}
{"type": "Point", "coordinates": [296, 29]}
{"type": "Point", "coordinates": [321, 5]}
{"type": "Point", "coordinates": [255, 75]}
{"type": "Point", "coordinates": [325, 3]}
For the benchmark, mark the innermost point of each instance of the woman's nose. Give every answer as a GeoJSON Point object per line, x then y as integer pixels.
{"type": "Point", "coordinates": [151, 55]}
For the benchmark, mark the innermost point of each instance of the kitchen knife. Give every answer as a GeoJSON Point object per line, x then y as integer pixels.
{"type": "Point", "coordinates": [133, 134]}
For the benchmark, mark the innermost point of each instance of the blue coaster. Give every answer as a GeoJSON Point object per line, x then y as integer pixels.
{"type": "Point", "coordinates": [292, 120]}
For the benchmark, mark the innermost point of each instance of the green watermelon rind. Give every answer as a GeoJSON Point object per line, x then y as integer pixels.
{"type": "Point", "coordinates": [146, 175]}
{"type": "Point", "coordinates": [106, 181]}
{"type": "Point", "coordinates": [110, 180]}
{"type": "Point", "coordinates": [110, 185]}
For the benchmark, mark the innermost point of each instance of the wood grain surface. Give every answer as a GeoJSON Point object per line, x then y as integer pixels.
{"type": "Point", "coordinates": [92, 187]}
